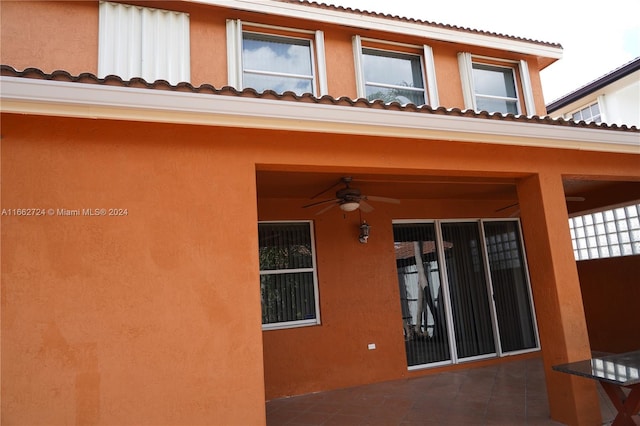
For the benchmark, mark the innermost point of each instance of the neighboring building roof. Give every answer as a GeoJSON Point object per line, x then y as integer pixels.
{"type": "Point", "coordinates": [412, 20]}
{"type": "Point", "coordinates": [162, 85]}
{"type": "Point", "coordinates": [595, 85]}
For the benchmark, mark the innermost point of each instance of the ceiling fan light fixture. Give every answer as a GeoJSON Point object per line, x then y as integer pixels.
{"type": "Point", "coordinates": [349, 206]}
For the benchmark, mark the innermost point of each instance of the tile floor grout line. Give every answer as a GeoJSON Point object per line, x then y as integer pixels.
{"type": "Point", "coordinates": [526, 393]}
{"type": "Point", "coordinates": [486, 405]}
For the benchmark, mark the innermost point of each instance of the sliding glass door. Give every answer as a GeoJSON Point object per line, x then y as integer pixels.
{"type": "Point", "coordinates": [464, 290]}
{"type": "Point", "coordinates": [421, 299]}
{"type": "Point", "coordinates": [468, 287]}
{"type": "Point", "coordinates": [510, 286]}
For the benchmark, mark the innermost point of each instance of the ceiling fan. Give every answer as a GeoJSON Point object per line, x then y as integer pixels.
{"type": "Point", "coordinates": [517, 211]}
{"type": "Point", "coordinates": [348, 198]}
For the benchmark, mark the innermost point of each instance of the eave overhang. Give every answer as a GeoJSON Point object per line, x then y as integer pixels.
{"type": "Point", "coordinates": [90, 101]}
{"type": "Point", "coordinates": [379, 22]}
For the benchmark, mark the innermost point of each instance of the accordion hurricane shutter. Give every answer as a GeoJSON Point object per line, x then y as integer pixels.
{"type": "Point", "coordinates": [152, 44]}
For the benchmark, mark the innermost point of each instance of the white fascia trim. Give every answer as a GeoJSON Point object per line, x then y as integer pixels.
{"type": "Point", "coordinates": [337, 17]}
{"type": "Point", "coordinates": [67, 99]}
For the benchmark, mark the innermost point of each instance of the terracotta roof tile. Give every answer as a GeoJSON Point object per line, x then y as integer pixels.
{"type": "Point", "coordinates": [112, 80]}
{"type": "Point", "coordinates": [414, 21]}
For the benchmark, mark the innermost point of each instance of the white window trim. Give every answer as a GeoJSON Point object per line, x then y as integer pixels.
{"type": "Point", "coordinates": [529, 103]}
{"type": "Point", "coordinates": [321, 64]}
{"type": "Point", "coordinates": [427, 67]}
{"type": "Point", "coordinates": [602, 105]}
{"type": "Point", "coordinates": [357, 60]}
{"type": "Point", "coordinates": [465, 64]}
{"type": "Point", "coordinates": [431, 83]}
{"type": "Point", "coordinates": [466, 77]}
{"type": "Point", "coordinates": [234, 54]}
{"type": "Point", "coordinates": [313, 269]}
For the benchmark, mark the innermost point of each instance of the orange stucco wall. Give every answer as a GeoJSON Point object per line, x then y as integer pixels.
{"type": "Point", "coordinates": [610, 292]}
{"type": "Point", "coordinates": [145, 318]}
{"type": "Point", "coordinates": [155, 316]}
{"type": "Point", "coordinates": [359, 304]}
{"type": "Point", "coordinates": [50, 35]}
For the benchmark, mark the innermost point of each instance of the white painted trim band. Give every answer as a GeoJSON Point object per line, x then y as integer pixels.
{"type": "Point", "coordinates": [68, 99]}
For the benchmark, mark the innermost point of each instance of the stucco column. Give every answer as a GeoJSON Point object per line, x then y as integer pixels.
{"type": "Point", "coordinates": [558, 299]}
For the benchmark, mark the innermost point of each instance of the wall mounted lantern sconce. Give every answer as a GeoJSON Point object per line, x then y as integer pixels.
{"type": "Point", "coordinates": [364, 232]}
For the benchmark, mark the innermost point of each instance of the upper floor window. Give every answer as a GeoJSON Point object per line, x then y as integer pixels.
{"type": "Point", "coordinates": [607, 233]}
{"type": "Point", "coordinates": [264, 57]}
{"type": "Point", "coordinates": [277, 63]}
{"type": "Point", "coordinates": [495, 85]}
{"type": "Point", "coordinates": [135, 41]}
{"type": "Point", "coordinates": [288, 282]}
{"type": "Point", "coordinates": [495, 88]}
{"type": "Point", "coordinates": [591, 113]}
{"type": "Point", "coordinates": [394, 75]}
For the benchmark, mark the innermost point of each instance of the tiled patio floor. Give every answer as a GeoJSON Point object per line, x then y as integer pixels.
{"type": "Point", "coordinates": [509, 394]}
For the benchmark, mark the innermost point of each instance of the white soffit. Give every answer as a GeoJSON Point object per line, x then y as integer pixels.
{"type": "Point", "coordinates": [301, 11]}
{"type": "Point", "coordinates": [67, 99]}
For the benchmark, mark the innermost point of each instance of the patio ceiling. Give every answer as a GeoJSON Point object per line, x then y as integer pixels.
{"type": "Point", "coordinates": [305, 185]}
{"type": "Point", "coordinates": [276, 184]}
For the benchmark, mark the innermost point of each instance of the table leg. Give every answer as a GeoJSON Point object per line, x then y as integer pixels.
{"type": "Point", "coordinates": [627, 405]}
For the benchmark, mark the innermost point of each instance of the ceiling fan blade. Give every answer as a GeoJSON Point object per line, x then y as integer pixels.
{"type": "Point", "coordinates": [330, 206]}
{"type": "Point", "coordinates": [381, 199]}
{"type": "Point", "coordinates": [365, 207]}
{"type": "Point", "coordinates": [333, 200]}
{"type": "Point", "coordinates": [507, 207]}
{"type": "Point", "coordinates": [328, 189]}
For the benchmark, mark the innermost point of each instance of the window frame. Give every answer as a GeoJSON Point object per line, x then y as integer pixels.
{"type": "Point", "coordinates": [398, 55]}
{"type": "Point", "coordinates": [584, 107]}
{"type": "Point", "coordinates": [424, 53]}
{"type": "Point", "coordinates": [235, 38]}
{"type": "Point", "coordinates": [485, 258]}
{"type": "Point", "coordinates": [313, 269]}
{"type": "Point", "coordinates": [498, 68]}
{"type": "Point", "coordinates": [521, 78]}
